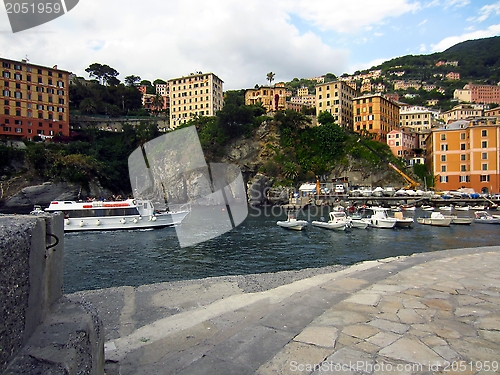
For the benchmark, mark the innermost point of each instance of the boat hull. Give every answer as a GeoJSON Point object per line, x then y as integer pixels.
{"type": "Point", "coordinates": [124, 222]}
{"type": "Point", "coordinates": [436, 222]}
{"type": "Point", "coordinates": [328, 225]}
{"type": "Point", "coordinates": [293, 225]}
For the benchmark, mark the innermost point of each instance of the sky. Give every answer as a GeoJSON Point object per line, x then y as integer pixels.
{"type": "Point", "coordinates": [241, 41]}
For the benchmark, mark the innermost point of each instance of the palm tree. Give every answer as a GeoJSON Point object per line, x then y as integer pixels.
{"type": "Point", "coordinates": [157, 104]}
{"type": "Point", "coordinates": [270, 77]}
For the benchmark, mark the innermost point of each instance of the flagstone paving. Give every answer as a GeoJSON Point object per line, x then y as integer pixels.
{"type": "Point", "coordinates": [432, 313]}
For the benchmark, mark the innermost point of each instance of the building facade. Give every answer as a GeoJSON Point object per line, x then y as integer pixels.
{"type": "Point", "coordinates": [375, 114]}
{"type": "Point", "coordinates": [465, 154]}
{"type": "Point", "coordinates": [402, 142]}
{"type": "Point", "coordinates": [461, 112]}
{"type": "Point", "coordinates": [194, 95]}
{"type": "Point", "coordinates": [272, 98]}
{"type": "Point", "coordinates": [337, 98]}
{"type": "Point", "coordinates": [35, 101]}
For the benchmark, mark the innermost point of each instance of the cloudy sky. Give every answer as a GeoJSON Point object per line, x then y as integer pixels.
{"type": "Point", "coordinates": [241, 41]}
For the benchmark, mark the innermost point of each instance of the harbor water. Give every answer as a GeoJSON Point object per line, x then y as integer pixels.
{"type": "Point", "coordinates": [95, 260]}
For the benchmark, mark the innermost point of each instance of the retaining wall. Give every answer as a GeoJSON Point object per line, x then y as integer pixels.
{"type": "Point", "coordinates": [42, 332]}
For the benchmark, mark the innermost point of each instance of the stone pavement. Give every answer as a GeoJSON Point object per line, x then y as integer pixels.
{"type": "Point", "coordinates": [429, 313]}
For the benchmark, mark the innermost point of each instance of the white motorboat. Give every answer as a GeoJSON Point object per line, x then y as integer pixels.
{"type": "Point", "coordinates": [408, 207]}
{"type": "Point", "coordinates": [380, 219]}
{"type": "Point", "coordinates": [427, 207]}
{"type": "Point", "coordinates": [378, 192]}
{"type": "Point", "coordinates": [436, 219]}
{"type": "Point", "coordinates": [462, 208]}
{"type": "Point", "coordinates": [114, 215]}
{"type": "Point", "coordinates": [484, 217]}
{"type": "Point", "coordinates": [292, 223]}
{"type": "Point", "coordinates": [478, 207]}
{"type": "Point", "coordinates": [338, 221]}
{"type": "Point", "coordinates": [461, 220]}
{"type": "Point", "coordinates": [359, 222]}
{"type": "Point", "coordinates": [401, 221]}
{"type": "Point", "coordinates": [446, 208]}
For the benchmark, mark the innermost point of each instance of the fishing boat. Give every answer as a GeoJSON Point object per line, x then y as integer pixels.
{"type": "Point", "coordinates": [436, 219]}
{"type": "Point", "coordinates": [338, 221]}
{"type": "Point", "coordinates": [114, 215]}
{"type": "Point", "coordinates": [380, 219]}
{"type": "Point", "coordinates": [401, 221]}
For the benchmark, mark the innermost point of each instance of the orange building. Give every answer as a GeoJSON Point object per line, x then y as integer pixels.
{"type": "Point", "coordinates": [35, 101]}
{"type": "Point", "coordinates": [465, 154]}
{"type": "Point", "coordinates": [375, 114]}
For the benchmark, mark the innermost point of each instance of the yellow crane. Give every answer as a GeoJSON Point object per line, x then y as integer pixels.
{"type": "Point", "coordinates": [411, 184]}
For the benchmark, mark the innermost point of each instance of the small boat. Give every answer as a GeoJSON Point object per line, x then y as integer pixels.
{"type": "Point", "coordinates": [380, 219]}
{"type": "Point", "coordinates": [426, 207]}
{"type": "Point", "coordinates": [478, 207]}
{"type": "Point", "coordinates": [462, 208]}
{"type": "Point", "coordinates": [408, 207]}
{"type": "Point", "coordinates": [436, 219]}
{"type": "Point", "coordinates": [401, 221]}
{"type": "Point", "coordinates": [446, 208]}
{"type": "Point", "coordinates": [485, 218]}
{"type": "Point", "coordinates": [114, 215]}
{"type": "Point", "coordinates": [357, 221]}
{"type": "Point", "coordinates": [378, 192]}
{"type": "Point", "coordinates": [461, 220]}
{"type": "Point", "coordinates": [338, 221]}
{"type": "Point", "coordinates": [292, 223]}
{"type": "Point", "coordinates": [37, 210]}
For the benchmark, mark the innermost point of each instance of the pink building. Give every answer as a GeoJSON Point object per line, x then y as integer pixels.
{"type": "Point", "coordinates": [402, 142]}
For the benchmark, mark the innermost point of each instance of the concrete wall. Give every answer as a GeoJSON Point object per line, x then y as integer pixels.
{"type": "Point", "coordinates": [40, 330]}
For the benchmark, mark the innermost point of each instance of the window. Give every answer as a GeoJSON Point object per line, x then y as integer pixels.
{"type": "Point", "coordinates": [443, 157]}
{"type": "Point", "coordinates": [443, 137]}
{"type": "Point", "coordinates": [484, 166]}
{"type": "Point", "coordinates": [443, 179]}
{"type": "Point", "coordinates": [484, 178]}
{"type": "Point", "coordinates": [6, 93]}
{"type": "Point", "coordinates": [462, 136]}
{"type": "Point", "coordinates": [484, 133]}
{"type": "Point", "coordinates": [484, 156]}
{"type": "Point", "coordinates": [463, 168]}
{"type": "Point", "coordinates": [462, 146]}
{"type": "Point", "coordinates": [443, 168]}
{"type": "Point", "coordinates": [484, 144]}
{"type": "Point", "coordinates": [464, 179]}
{"type": "Point", "coordinates": [444, 147]}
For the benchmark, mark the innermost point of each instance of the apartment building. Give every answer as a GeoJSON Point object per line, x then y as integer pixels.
{"type": "Point", "coordinates": [375, 114]}
{"type": "Point", "coordinates": [198, 94]}
{"type": "Point", "coordinates": [461, 112]}
{"type": "Point", "coordinates": [402, 142]}
{"type": "Point", "coordinates": [35, 100]}
{"type": "Point", "coordinates": [273, 98]}
{"type": "Point", "coordinates": [465, 154]}
{"type": "Point", "coordinates": [302, 91]}
{"type": "Point", "coordinates": [337, 98]}
{"type": "Point", "coordinates": [162, 89]}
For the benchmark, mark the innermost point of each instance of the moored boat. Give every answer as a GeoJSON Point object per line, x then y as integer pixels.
{"type": "Point", "coordinates": [114, 215]}
{"type": "Point", "coordinates": [292, 223]}
{"type": "Point", "coordinates": [380, 219]}
{"type": "Point", "coordinates": [461, 220]}
{"type": "Point", "coordinates": [436, 219]}
{"type": "Point", "coordinates": [338, 221]}
{"type": "Point", "coordinates": [401, 221]}
{"type": "Point", "coordinates": [485, 218]}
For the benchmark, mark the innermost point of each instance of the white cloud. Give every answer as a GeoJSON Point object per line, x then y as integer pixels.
{"type": "Point", "coordinates": [422, 48]}
{"type": "Point", "coordinates": [239, 41]}
{"type": "Point", "coordinates": [422, 23]}
{"type": "Point", "coordinates": [485, 12]}
{"type": "Point", "coordinates": [350, 16]}
{"type": "Point", "coordinates": [455, 3]}
{"type": "Point", "coordinates": [448, 42]}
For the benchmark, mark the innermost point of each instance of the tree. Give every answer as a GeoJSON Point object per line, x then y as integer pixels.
{"type": "Point", "coordinates": [157, 104]}
{"type": "Point", "coordinates": [102, 72]}
{"type": "Point", "coordinates": [326, 117]}
{"type": "Point", "coordinates": [88, 106]}
{"type": "Point", "coordinates": [159, 81]}
{"type": "Point", "coordinates": [132, 80]}
{"type": "Point", "coordinates": [270, 77]}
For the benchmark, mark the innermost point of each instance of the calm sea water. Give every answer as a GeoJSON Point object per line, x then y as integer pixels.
{"type": "Point", "coordinates": [94, 260]}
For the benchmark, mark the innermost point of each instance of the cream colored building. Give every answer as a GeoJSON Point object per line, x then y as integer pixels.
{"type": "Point", "coordinates": [463, 95]}
{"type": "Point", "coordinates": [199, 94]}
{"type": "Point", "coordinates": [337, 98]}
{"type": "Point", "coordinates": [272, 98]}
{"type": "Point", "coordinates": [302, 91]}
{"type": "Point", "coordinates": [461, 112]}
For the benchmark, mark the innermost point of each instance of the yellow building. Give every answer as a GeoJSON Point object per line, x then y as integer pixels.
{"type": "Point", "coordinates": [375, 114]}
{"type": "Point", "coordinates": [35, 100]}
{"type": "Point", "coordinates": [461, 112]}
{"type": "Point", "coordinates": [272, 98]}
{"type": "Point", "coordinates": [336, 97]}
{"type": "Point", "coordinates": [199, 94]}
{"type": "Point", "coordinates": [465, 154]}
